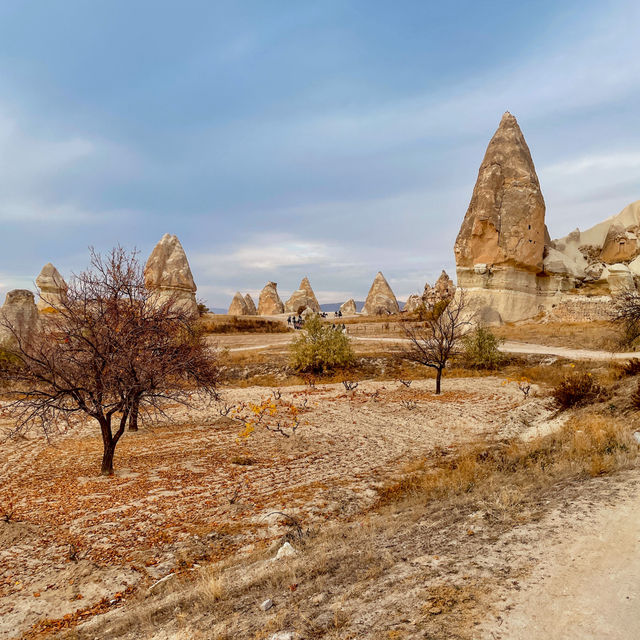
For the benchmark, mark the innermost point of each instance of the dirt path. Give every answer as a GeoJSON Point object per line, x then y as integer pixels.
{"type": "Point", "coordinates": [587, 585]}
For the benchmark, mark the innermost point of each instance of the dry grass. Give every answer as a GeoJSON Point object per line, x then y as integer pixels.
{"type": "Point", "coordinates": [588, 445]}
{"type": "Point", "coordinates": [600, 335]}
{"type": "Point", "coordinates": [510, 483]}
{"type": "Point", "coordinates": [222, 324]}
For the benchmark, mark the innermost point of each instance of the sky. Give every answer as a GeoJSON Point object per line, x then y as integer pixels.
{"type": "Point", "coordinates": [288, 138]}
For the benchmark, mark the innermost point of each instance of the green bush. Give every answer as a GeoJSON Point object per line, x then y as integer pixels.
{"type": "Point", "coordinates": [320, 349]}
{"type": "Point", "coordinates": [481, 349]}
{"type": "Point", "coordinates": [575, 388]}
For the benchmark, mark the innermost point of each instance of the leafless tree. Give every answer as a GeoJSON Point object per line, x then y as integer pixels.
{"type": "Point", "coordinates": [436, 338]}
{"type": "Point", "coordinates": [625, 311]}
{"type": "Point", "coordinates": [110, 350]}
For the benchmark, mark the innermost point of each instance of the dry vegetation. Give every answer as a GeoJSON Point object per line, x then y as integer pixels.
{"type": "Point", "coordinates": [579, 335]}
{"type": "Point", "coordinates": [403, 507]}
{"type": "Point", "coordinates": [222, 324]}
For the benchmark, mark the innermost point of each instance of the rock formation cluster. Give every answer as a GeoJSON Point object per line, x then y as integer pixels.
{"type": "Point", "coordinates": [269, 303]}
{"type": "Point", "coordinates": [168, 274]}
{"type": "Point", "coordinates": [302, 298]}
{"type": "Point", "coordinates": [19, 317]}
{"type": "Point", "coordinates": [380, 299]}
{"type": "Point", "coordinates": [51, 286]}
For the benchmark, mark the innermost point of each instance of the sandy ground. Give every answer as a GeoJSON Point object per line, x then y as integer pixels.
{"type": "Point", "coordinates": [182, 494]}
{"type": "Point", "coordinates": [586, 585]}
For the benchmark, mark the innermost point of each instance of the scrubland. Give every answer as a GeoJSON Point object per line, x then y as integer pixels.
{"type": "Point", "coordinates": [410, 515]}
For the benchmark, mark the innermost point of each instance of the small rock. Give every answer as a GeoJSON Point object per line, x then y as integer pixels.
{"type": "Point", "coordinates": [636, 436]}
{"type": "Point", "coordinates": [434, 611]}
{"type": "Point", "coordinates": [285, 551]}
{"type": "Point", "coordinates": [319, 598]}
{"type": "Point", "coordinates": [267, 604]}
{"type": "Point", "coordinates": [283, 635]}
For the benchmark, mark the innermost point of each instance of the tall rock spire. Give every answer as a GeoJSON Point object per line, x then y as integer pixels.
{"type": "Point", "coordinates": [381, 300]}
{"type": "Point", "coordinates": [504, 224]}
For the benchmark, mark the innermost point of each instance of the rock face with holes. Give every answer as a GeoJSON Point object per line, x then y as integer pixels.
{"type": "Point", "coordinates": [269, 303]}
{"type": "Point", "coordinates": [443, 289]}
{"type": "Point", "coordinates": [348, 308]}
{"type": "Point", "coordinates": [414, 303]}
{"type": "Point", "coordinates": [51, 286]}
{"type": "Point", "coordinates": [19, 317]}
{"type": "Point", "coordinates": [302, 298]}
{"type": "Point", "coordinates": [251, 305]}
{"type": "Point", "coordinates": [381, 299]}
{"type": "Point", "coordinates": [238, 306]}
{"type": "Point", "coordinates": [168, 275]}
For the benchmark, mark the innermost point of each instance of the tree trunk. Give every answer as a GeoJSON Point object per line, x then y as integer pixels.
{"type": "Point", "coordinates": [133, 416]}
{"type": "Point", "coordinates": [438, 378]}
{"type": "Point", "coordinates": [108, 446]}
{"type": "Point", "coordinates": [107, 459]}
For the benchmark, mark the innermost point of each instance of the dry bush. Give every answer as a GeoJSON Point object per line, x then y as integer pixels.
{"type": "Point", "coordinates": [220, 324]}
{"type": "Point", "coordinates": [631, 367]}
{"type": "Point", "coordinates": [575, 388]}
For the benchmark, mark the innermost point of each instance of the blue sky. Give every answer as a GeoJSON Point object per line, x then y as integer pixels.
{"type": "Point", "coordinates": [279, 139]}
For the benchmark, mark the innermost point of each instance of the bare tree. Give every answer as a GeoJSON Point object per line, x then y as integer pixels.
{"type": "Point", "coordinates": [110, 350]}
{"type": "Point", "coordinates": [625, 311]}
{"type": "Point", "coordinates": [436, 338]}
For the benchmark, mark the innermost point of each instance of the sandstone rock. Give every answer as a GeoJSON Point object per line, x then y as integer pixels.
{"type": "Point", "coordinates": [269, 303]}
{"type": "Point", "coordinates": [413, 303]}
{"type": "Point", "coordinates": [251, 305]}
{"type": "Point", "coordinates": [620, 245]}
{"type": "Point", "coordinates": [302, 298]}
{"type": "Point", "coordinates": [307, 313]}
{"type": "Point", "coordinates": [556, 262]}
{"type": "Point", "coordinates": [381, 299]}
{"type": "Point", "coordinates": [52, 286]}
{"type": "Point", "coordinates": [348, 308]}
{"type": "Point", "coordinates": [267, 604]}
{"type": "Point", "coordinates": [238, 306]}
{"type": "Point", "coordinates": [594, 270]}
{"type": "Point", "coordinates": [168, 275]}
{"type": "Point", "coordinates": [620, 278]}
{"type": "Point", "coordinates": [443, 289]}
{"type": "Point", "coordinates": [504, 224]}
{"type": "Point", "coordinates": [285, 551]}
{"type": "Point", "coordinates": [19, 317]}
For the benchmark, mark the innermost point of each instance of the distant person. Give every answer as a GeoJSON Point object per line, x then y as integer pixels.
{"type": "Point", "coordinates": [288, 319]}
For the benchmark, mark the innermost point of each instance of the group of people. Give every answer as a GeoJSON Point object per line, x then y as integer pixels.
{"type": "Point", "coordinates": [297, 322]}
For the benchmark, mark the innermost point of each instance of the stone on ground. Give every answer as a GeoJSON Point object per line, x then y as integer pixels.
{"type": "Point", "coordinates": [348, 308]}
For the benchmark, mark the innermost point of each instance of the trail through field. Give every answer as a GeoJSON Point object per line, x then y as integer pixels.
{"type": "Point", "coordinates": [586, 586]}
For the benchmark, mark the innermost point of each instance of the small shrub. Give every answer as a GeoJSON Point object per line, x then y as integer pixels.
{"type": "Point", "coordinates": [631, 367]}
{"type": "Point", "coordinates": [635, 398]}
{"type": "Point", "coordinates": [575, 388]}
{"type": "Point", "coordinates": [321, 348]}
{"type": "Point", "coordinates": [481, 349]}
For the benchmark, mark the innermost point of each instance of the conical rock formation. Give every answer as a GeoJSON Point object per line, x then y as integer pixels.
{"type": "Point", "coordinates": [19, 317]}
{"type": "Point", "coordinates": [381, 299]}
{"type": "Point", "coordinates": [52, 287]}
{"type": "Point", "coordinates": [414, 303]}
{"type": "Point", "coordinates": [251, 305]}
{"type": "Point", "coordinates": [348, 308]}
{"type": "Point", "coordinates": [238, 306]}
{"type": "Point", "coordinates": [168, 274]}
{"type": "Point", "coordinates": [303, 298]}
{"type": "Point", "coordinates": [269, 303]}
{"type": "Point", "coordinates": [504, 224]}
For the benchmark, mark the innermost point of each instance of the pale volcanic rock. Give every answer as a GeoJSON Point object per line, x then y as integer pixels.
{"type": "Point", "coordinates": [238, 306]}
{"type": "Point", "coordinates": [381, 299]}
{"type": "Point", "coordinates": [348, 308]}
{"type": "Point", "coordinates": [19, 317]}
{"type": "Point", "coordinates": [620, 245]}
{"type": "Point", "coordinates": [443, 289]}
{"type": "Point", "coordinates": [269, 303]}
{"type": "Point", "coordinates": [504, 224]}
{"type": "Point", "coordinates": [620, 278]}
{"type": "Point", "coordinates": [559, 263]}
{"type": "Point", "coordinates": [414, 303]}
{"type": "Point", "coordinates": [52, 287]}
{"type": "Point", "coordinates": [168, 274]}
{"type": "Point", "coordinates": [251, 305]}
{"type": "Point", "coordinates": [303, 298]}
